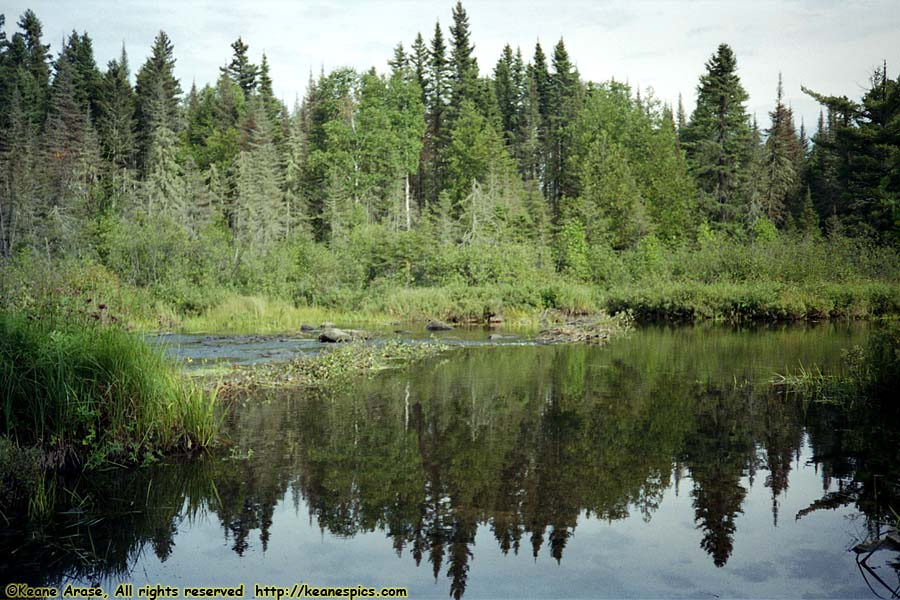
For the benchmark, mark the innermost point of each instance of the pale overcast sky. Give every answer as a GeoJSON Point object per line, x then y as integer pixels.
{"type": "Point", "coordinates": [827, 45]}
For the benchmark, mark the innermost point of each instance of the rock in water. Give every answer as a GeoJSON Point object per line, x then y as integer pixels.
{"type": "Point", "coordinates": [307, 327]}
{"type": "Point", "coordinates": [333, 336]}
{"type": "Point", "coordinates": [438, 326]}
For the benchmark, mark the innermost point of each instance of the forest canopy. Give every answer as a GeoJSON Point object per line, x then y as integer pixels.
{"type": "Point", "coordinates": [435, 171]}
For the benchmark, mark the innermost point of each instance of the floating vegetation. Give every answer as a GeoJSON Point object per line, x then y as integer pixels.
{"type": "Point", "coordinates": [348, 359]}
{"type": "Point", "coordinates": [597, 330]}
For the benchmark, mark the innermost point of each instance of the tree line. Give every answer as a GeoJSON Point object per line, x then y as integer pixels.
{"type": "Point", "coordinates": [432, 153]}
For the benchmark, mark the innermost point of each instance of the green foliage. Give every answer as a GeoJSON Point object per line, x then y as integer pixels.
{"type": "Point", "coordinates": [84, 391]}
{"type": "Point", "coordinates": [717, 137]}
{"type": "Point", "coordinates": [427, 176]}
{"type": "Point", "coordinates": [572, 250]}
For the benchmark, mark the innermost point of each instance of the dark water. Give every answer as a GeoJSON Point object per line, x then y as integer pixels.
{"type": "Point", "coordinates": [664, 465]}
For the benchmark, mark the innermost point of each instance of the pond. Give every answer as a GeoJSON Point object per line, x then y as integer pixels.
{"type": "Point", "coordinates": [663, 465]}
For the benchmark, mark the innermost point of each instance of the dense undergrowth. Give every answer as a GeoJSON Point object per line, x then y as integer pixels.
{"type": "Point", "coordinates": [785, 276]}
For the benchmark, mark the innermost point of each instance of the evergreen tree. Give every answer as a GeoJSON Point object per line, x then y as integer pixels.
{"type": "Point", "coordinates": [116, 128]}
{"type": "Point", "coordinates": [860, 155]}
{"type": "Point", "coordinates": [611, 206]}
{"type": "Point", "coordinates": [563, 107]}
{"type": "Point", "coordinates": [782, 181]}
{"type": "Point", "coordinates": [419, 60]}
{"type": "Point", "coordinates": [115, 122]}
{"type": "Point", "coordinates": [259, 212]}
{"type": "Point", "coordinates": [31, 58]}
{"type": "Point", "coordinates": [163, 186]}
{"type": "Point", "coordinates": [717, 138]}
{"type": "Point", "coordinates": [79, 52]}
{"type": "Point", "coordinates": [464, 67]}
{"type": "Point", "coordinates": [240, 69]}
{"type": "Point", "coordinates": [18, 179]}
{"type": "Point", "coordinates": [508, 94]}
{"type": "Point", "coordinates": [70, 159]}
{"type": "Point", "coordinates": [399, 60]}
{"type": "Point", "coordinates": [438, 94]}
{"type": "Point", "coordinates": [157, 93]}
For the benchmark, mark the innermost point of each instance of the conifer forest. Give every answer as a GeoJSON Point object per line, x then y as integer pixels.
{"type": "Point", "coordinates": [448, 325]}
{"type": "Point", "coordinates": [518, 184]}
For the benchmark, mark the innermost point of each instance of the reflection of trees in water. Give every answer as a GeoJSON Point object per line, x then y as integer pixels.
{"type": "Point", "coordinates": [858, 449]}
{"type": "Point", "coordinates": [522, 442]}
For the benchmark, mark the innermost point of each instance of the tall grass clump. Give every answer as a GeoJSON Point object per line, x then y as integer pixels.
{"type": "Point", "coordinates": [88, 393]}
{"type": "Point", "coordinates": [870, 374]}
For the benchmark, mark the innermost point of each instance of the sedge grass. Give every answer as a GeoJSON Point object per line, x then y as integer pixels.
{"type": "Point", "coordinates": [89, 393]}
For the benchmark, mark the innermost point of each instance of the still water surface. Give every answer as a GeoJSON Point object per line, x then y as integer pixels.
{"type": "Point", "coordinates": [664, 465]}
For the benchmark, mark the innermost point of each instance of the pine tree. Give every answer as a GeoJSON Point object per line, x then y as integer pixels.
{"type": "Point", "coordinates": [717, 138]}
{"type": "Point", "coordinates": [240, 69]}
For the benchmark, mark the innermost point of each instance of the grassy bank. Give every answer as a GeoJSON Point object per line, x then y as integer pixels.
{"type": "Point", "coordinates": [716, 277]}
{"type": "Point", "coordinates": [754, 301]}
{"type": "Point", "coordinates": [89, 393]}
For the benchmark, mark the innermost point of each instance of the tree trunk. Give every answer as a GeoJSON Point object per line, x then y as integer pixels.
{"type": "Point", "coordinates": [408, 219]}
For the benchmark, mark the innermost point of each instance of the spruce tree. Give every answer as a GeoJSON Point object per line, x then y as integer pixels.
{"type": "Point", "coordinates": [563, 107]}
{"type": "Point", "coordinates": [33, 56]}
{"type": "Point", "coordinates": [157, 93]}
{"type": "Point", "coordinates": [419, 61]}
{"type": "Point", "coordinates": [464, 67]}
{"type": "Point", "coordinates": [506, 89]}
{"type": "Point", "coordinates": [273, 107]}
{"type": "Point", "coordinates": [717, 138]}
{"type": "Point", "coordinates": [78, 51]}
{"type": "Point", "coordinates": [240, 69]}
{"type": "Point", "coordinates": [782, 176]}
{"type": "Point", "coordinates": [438, 94]}
{"type": "Point", "coordinates": [116, 123]}
{"type": "Point", "coordinates": [399, 60]}
{"type": "Point", "coordinates": [18, 179]}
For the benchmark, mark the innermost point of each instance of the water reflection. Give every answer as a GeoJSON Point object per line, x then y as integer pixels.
{"type": "Point", "coordinates": [525, 442]}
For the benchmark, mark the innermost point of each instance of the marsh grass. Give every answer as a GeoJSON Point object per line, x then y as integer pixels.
{"type": "Point", "coordinates": [89, 393]}
{"type": "Point", "coordinates": [870, 373]}
{"type": "Point", "coordinates": [258, 315]}
{"type": "Point", "coordinates": [753, 301]}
